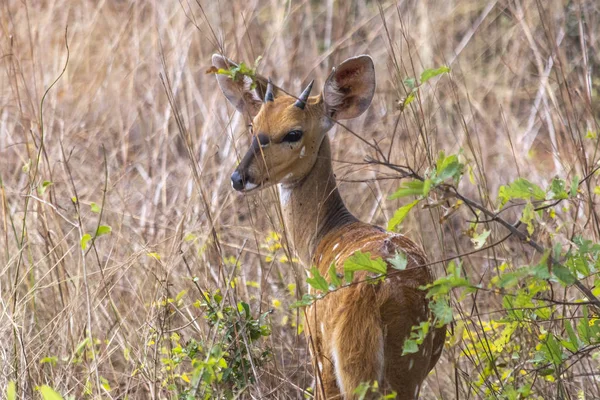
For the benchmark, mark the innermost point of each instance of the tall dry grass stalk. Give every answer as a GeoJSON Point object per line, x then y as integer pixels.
{"type": "Point", "coordinates": [520, 100]}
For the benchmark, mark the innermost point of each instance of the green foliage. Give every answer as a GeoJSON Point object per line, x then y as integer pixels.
{"type": "Point", "coordinates": [45, 185]}
{"type": "Point", "coordinates": [521, 189]}
{"type": "Point", "coordinates": [410, 188]}
{"type": "Point", "coordinates": [432, 73]}
{"type": "Point", "coordinates": [369, 390]}
{"type": "Point", "coordinates": [414, 88]}
{"type": "Point", "coordinates": [214, 369]}
{"type": "Point", "coordinates": [447, 167]}
{"type": "Point", "coordinates": [438, 292]}
{"type": "Point", "coordinates": [479, 239]}
{"type": "Point", "coordinates": [238, 72]}
{"type": "Point", "coordinates": [360, 261]}
{"type": "Point", "coordinates": [400, 214]}
{"type": "Point", "coordinates": [85, 239]}
{"type": "Point", "coordinates": [11, 391]}
{"type": "Point", "coordinates": [357, 262]}
{"type": "Point", "coordinates": [417, 335]}
{"type": "Point", "coordinates": [49, 394]}
{"type": "Point", "coordinates": [317, 281]}
{"type": "Point", "coordinates": [103, 230]}
{"type": "Point", "coordinates": [399, 261]}
{"type": "Point", "coordinates": [525, 289]}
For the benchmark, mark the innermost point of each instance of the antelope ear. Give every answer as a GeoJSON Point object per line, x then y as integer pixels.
{"type": "Point", "coordinates": [240, 92]}
{"type": "Point", "coordinates": [349, 88]}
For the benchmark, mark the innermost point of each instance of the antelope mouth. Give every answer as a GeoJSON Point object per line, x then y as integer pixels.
{"type": "Point", "coordinates": [249, 187]}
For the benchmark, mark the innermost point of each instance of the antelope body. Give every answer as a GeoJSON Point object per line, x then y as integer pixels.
{"type": "Point", "coordinates": [355, 334]}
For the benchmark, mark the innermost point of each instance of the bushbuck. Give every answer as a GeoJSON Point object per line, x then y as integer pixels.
{"type": "Point", "coordinates": [355, 334]}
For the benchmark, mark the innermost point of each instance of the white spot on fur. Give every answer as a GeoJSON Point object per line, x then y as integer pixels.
{"type": "Point", "coordinates": [320, 366]}
{"type": "Point", "coordinates": [249, 185]}
{"type": "Point", "coordinates": [303, 152]}
{"type": "Point", "coordinates": [417, 390]}
{"type": "Point", "coordinates": [285, 194]}
{"type": "Point", "coordinates": [336, 364]}
{"type": "Point", "coordinates": [411, 363]}
{"type": "Point", "coordinates": [320, 258]}
{"type": "Point", "coordinates": [322, 328]}
{"type": "Point", "coordinates": [335, 246]}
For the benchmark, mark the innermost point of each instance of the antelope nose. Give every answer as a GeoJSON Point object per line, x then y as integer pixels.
{"type": "Point", "coordinates": [237, 181]}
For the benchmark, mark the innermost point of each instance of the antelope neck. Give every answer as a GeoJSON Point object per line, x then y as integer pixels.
{"type": "Point", "coordinates": [313, 207]}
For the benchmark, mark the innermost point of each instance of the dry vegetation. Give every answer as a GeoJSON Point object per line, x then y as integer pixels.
{"type": "Point", "coordinates": [113, 149]}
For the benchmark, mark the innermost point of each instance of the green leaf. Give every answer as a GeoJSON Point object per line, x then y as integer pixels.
{"type": "Point", "coordinates": [400, 214]}
{"type": "Point", "coordinates": [597, 190]}
{"type": "Point", "coordinates": [572, 336]}
{"type": "Point", "coordinates": [45, 185]}
{"type": "Point", "coordinates": [81, 346]}
{"type": "Point", "coordinates": [306, 300]}
{"type": "Point", "coordinates": [583, 327]}
{"type": "Point", "coordinates": [360, 261]}
{"type": "Point", "coordinates": [414, 187]}
{"type": "Point", "coordinates": [410, 83]}
{"type": "Point", "coordinates": [103, 230]}
{"type": "Point", "coordinates": [410, 347]}
{"type": "Point", "coordinates": [49, 394]}
{"type": "Point", "coordinates": [105, 384]}
{"type": "Point", "coordinates": [569, 346]}
{"type": "Point", "coordinates": [317, 281]}
{"type": "Point", "coordinates": [447, 167]}
{"type": "Point", "coordinates": [521, 189]}
{"type": "Point", "coordinates": [563, 274]}
{"type": "Point", "coordinates": [333, 276]}
{"type": "Point", "coordinates": [11, 391]}
{"type": "Point", "coordinates": [442, 311]}
{"type": "Point", "coordinates": [557, 190]}
{"type": "Point", "coordinates": [431, 73]}
{"type": "Point", "coordinates": [156, 256]}
{"type": "Point", "coordinates": [190, 237]}
{"type": "Point", "coordinates": [479, 239]}
{"type": "Point", "coordinates": [399, 261]}
{"type": "Point", "coordinates": [95, 208]}
{"type": "Point", "coordinates": [409, 99]}
{"type": "Point", "coordinates": [84, 240]}
{"type": "Point", "coordinates": [574, 186]}
{"type": "Point", "coordinates": [49, 360]}
{"type": "Point", "coordinates": [552, 350]}
{"type": "Point", "coordinates": [427, 186]}
{"type": "Point", "coordinates": [361, 390]}
{"type": "Point", "coordinates": [528, 216]}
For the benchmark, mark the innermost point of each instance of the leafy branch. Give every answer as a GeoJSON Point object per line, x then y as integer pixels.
{"type": "Point", "coordinates": [421, 185]}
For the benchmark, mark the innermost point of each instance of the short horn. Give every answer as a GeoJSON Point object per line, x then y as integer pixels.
{"type": "Point", "coordinates": [301, 102]}
{"type": "Point", "coordinates": [269, 94]}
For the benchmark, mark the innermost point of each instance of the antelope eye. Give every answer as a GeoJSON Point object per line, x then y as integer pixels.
{"type": "Point", "coordinates": [292, 136]}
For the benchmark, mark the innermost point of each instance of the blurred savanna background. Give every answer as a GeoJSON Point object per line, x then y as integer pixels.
{"type": "Point", "coordinates": [130, 268]}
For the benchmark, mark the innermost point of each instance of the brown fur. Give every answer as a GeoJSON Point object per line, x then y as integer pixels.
{"type": "Point", "coordinates": [364, 321]}
{"type": "Point", "coordinates": [355, 334]}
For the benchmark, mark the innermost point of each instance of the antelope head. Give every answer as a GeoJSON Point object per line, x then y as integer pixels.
{"type": "Point", "coordinates": [286, 131]}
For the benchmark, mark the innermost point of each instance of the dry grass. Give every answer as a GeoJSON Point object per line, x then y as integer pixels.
{"type": "Point", "coordinates": [522, 94]}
